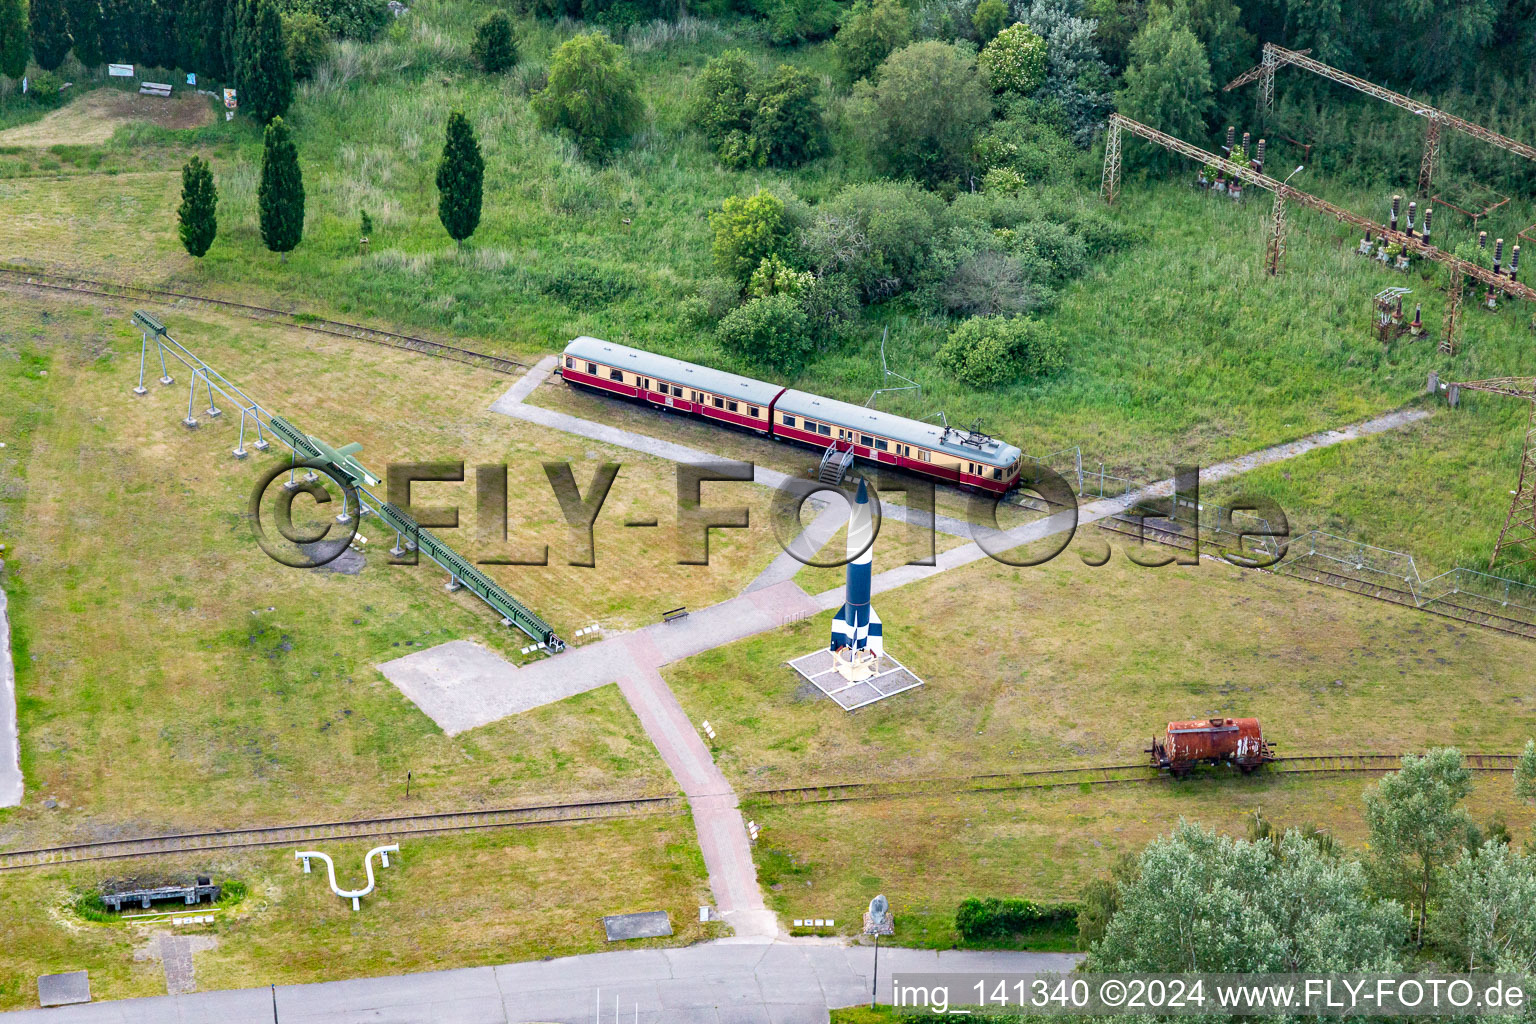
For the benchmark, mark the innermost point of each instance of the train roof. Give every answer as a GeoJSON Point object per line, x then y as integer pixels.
{"type": "Point", "coordinates": [980, 448]}
{"type": "Point", "coordinates": [719, 382]}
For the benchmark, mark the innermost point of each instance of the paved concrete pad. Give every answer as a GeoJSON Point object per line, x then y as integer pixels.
{"type": "Point", "coordinates": [10, 738]}
{"type": "Point", "coordinates": [649, 925]}
{"type": "Point", "coordinates": [64, 989]}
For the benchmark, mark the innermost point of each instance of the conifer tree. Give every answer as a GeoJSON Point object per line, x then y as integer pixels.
{"type": "Point", "coordinates": [280, 198]}
{"type": "Point", "coordinates": [50, 33]}
{"type": "Point", "coordinates": [460, 179]}
{"type": "Point", "coordinates": [262, 71]}
{"type": "Point", "coordinates": [85, 30]}
{"type": "Point", "coordinates": [15, 38]}
{"type": "Point", "coordinates": [199, 207]}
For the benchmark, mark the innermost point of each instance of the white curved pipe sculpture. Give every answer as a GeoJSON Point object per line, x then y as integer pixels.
{"type": "Point", "coordinates": [353, 895]}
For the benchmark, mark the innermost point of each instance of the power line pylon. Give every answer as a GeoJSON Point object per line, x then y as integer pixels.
{"type": "Point", "coordinates": [1452, 313]}
{"type": "Point", "coordinates": [1431, 154]}
{"type": "Point", "coordinates": [1109, 187]}
{"type": "Point", "coordinates": [1274, 253]}
{"type": "Point", "coordinates": [1518, 534]}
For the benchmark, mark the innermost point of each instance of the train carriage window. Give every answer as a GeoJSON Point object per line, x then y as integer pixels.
{"type": "Point", "coordinates": [789, 420]}
{"type": "Point", "coordinates": [570, 364]}
{"type": "Point", "coordinates": [644, 382]}
{"type": "Point", "coordinates": [997, 473]}
{"type": "Point", "coordinates": [925, 455]}
{"type": "Point", "coordinates": [617, 375]}
{"type": "Point", "coordinates": [592, 369]}
{"type": "Point", "coordinates": [719, 403]}
{"type": "Point", "coordinates": [880, 444]}
{"type": "Point", "coordinates": [823, 428]}
{"type": "Point", "coordinates": [866, 440]}
{"type": "Point", "coordinates": [752, 411]}
{"type": "Point", "coordinates": [731, 406]}
{"type": "Point", "coordinates": [677, 392]}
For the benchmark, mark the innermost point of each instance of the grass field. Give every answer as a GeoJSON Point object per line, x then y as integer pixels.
{"type": "Point", "coordinates": [927, 854]}
{"type": "Point", "coordinates": [450, 901]}
{"type": "Point", "coordinates": [1066, 664]}
{"type": "Point", "coordinates": [218, 687]}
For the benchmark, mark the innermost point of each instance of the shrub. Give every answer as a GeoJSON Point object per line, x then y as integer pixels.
{"type": "Point", "coordinates": [1014, 61]}
{"type": "Point", "coordinates": [308, 42]}
{"type": "Point", "coordinates": [349, 19]}
{"type": "Point", "coordinates": [879, 235]}
{"type": "Point", "coordinates": [791, 22]}
{"type": "Point", "coordinates": [747, 229]}
{"type": "Point", "coordinates": [1004, 181]}
{"type": "Point", "coordinates": [987, 351]}
{"type": "Point", "coordinates": [1026, 139]}
{"type": "Point", "coordinates": [921, 118]}
{"type": "Point", "coordinates": [592, 94]}
{"type": "Point", "coordinates": [495, 47]}
{"type": "Point", "coordinates": [721, 103]}
{"type": "Point", "coordinates": [829, 303]}
{"type": "Point", "coordinates": [990, 283]}
{"type": "Point", "coordinates": [993, 918]}
{"type": "Point", "coordinates": [869, 34]}
{"type": "Point", "coordinates": [775, 277]}
{"type": "Point", "coordinates": [44, 87]}
{"type": "Point", "coordinates": [787, 128]}
{"type": "Point", "coordinates": [771, 330]}
{"type": "Point", "coordinates": [989, 18]}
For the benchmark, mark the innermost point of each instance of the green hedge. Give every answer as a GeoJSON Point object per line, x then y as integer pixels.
{"type": "Point", "coordinates": [994, 918]}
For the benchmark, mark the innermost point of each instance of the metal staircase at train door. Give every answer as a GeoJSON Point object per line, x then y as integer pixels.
{"type": "Point", "coordinates": [835, 462]}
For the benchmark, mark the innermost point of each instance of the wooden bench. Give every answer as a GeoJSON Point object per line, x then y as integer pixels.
{"type": "Point", "coordinates": [675, 614]}
{"type": "Point", "coordinates": [161, 89]}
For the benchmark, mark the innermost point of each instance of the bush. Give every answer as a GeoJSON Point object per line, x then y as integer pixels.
{"type": "Point", "coordinates": [775, 277]}
{"type": "Point", "coordinates": [1014, 61]}
{"type": "Point", "coordinates": [994, 918]}
{"type": "Point", "coordinates": [990, 18]}
{"type": "Point", "coordinates": [829, 303]}
{"type": "Point", "coordinates": [791, 22]}
{"type": "Point", "coordinates": [44, 87]}
{"type": "Point", "coordinates": [920, 119]}
{"type": "Point", "coordinates": [721, 104]}
{"type": "Point", "coordinates": [880, 236]}
{"type": "Point", "coordinates": [987, 351]}
{"type": "Point", "coordinates": [869, 34]}
{"type": "Point", "coordinates": [772, 331]}
{"type": "Point", "coordinates": [495, 47]}
{"type": "Point", "coordinates": [349, 19]}
{"type": "Point", "coordinates": [1026, 139]}
{"type": "Point", "coordinates": [592, 95]}
{"type": "Point", "coordinates": [747, 229]}
{"type": "Point", "coordinates": [308, 42]}
{"type": "Point", "coordinates": [990, 283]}
{"type": "Point", "coordinates": [787, 128]}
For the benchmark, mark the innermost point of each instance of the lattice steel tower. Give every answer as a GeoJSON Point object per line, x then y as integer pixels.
{"type": "Point", "coordinates": [1518, 534]}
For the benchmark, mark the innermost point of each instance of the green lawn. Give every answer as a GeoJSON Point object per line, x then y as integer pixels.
{"type": "Point", "coordinates": [449, 901]}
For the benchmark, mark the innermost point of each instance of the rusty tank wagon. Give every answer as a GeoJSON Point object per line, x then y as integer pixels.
{"type": "Point", "coordinates": [1234, 742]}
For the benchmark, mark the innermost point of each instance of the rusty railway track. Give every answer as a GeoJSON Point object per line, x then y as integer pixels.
{"type": "Point", "coordinates": [1098, 775]}
{"type": "Point", "coordinates": [1395, 595]}
{"type": "Point", "coordinates": [27, 277]}
{"type": "Point", "coordinates": [281, 835]}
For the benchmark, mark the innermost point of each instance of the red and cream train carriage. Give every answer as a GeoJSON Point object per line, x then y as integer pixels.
{"type": "Point", "coordinates": [957, 457]}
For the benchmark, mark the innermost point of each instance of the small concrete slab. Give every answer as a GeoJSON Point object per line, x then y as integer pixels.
{"type": "Point", "coordinates": [650, 925]}
{"type": "Point", "coordinates": [64, 989]}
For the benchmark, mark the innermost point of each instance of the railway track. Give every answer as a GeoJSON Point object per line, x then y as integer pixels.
{"type": "Point", "coordinates": [27, 277]}
{"type": "Point", "coordinates": [1105, 775]}
{"type": "Point", "coordinates": [282, 835]}
{"type": "Point", "coordinates": [1444, 606]}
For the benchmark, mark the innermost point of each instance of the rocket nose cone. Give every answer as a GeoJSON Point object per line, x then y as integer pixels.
{"type": "Point", "coordinates": [862, 497]}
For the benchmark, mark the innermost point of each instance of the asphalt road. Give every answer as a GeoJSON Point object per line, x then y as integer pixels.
{"type": "Point", "coordinates": [711, 983]}
{"type": "Point", "coordinates": [10, 741]}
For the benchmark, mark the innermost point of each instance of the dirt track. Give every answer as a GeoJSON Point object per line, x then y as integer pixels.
{"type": "Point", "coordinates": [93, 117]}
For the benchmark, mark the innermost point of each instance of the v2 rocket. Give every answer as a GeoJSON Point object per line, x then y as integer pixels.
{"type": "Point", "coordinates": [856, 626]}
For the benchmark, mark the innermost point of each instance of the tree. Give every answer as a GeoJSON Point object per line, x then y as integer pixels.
{"type": "Point", "coordinates": [85, 30]}
{"type": "Point", "coordinates": [1228, 46]}
{"type": "Point", "coordinates": [1525, 773]}
{"type": "Point", "coordinates": [1014, 61]}
{"type": "Point", "coordinates": [1168, 82]}
{"type": "Point", "coordinates": [460, 179]}
{"type": "Point", "coordinates": [495, 47]}
{"type": "Point", "coordinates": [1485, 919]}
{"type": "Point", "coordinates": [787, 128]}
{"type": "Point", "coordinates": [280, 197]}
{"type": "Point", "coordinates": [921, 117]}
{"type": "Point", "coordinates": [592, 94]}
{"type": "Point", "coordinates": [198, 213]}
{"type": "Point", "coordinates": [986, 351]}
{"type": "Point", "coordinates": [869, 34]}
{"type": "Point", "coordinates": [203, 38]}
{"type": "Point", "coordinates": [771, 330]}
{"type": "Point", "coordinates": [15, 38]}
{"type": "Point", "coordinates": [261, 63]}
{"type": "Point", "coordinates": [989, 18]}
{"type": "Point", "coordinates": [50, 33]}
{"type": "Point", "coordinates": [1417, 823]}
{"type": "Point", "coordinates": [1076, 78]}
{"type": "Point", "coordinates": [1209, 903]}
{"type": "Point", "coordinates": [747, 229]}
